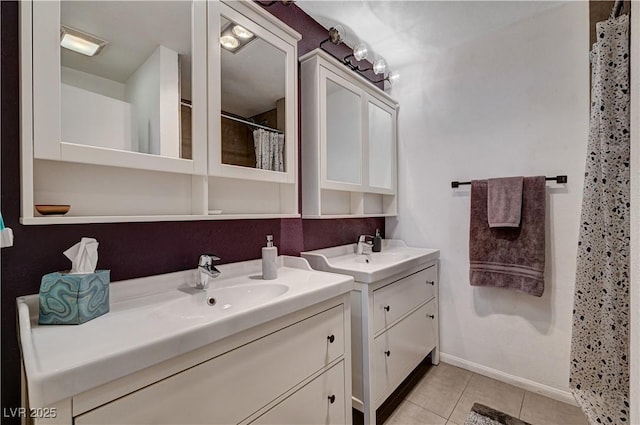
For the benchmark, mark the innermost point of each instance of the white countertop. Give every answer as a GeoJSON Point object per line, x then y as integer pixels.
{"type": "Point", "coordinates": [147, 325]}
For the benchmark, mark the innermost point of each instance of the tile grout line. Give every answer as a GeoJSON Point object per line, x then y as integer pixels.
{"type": "Point", "coordinates": [522, 404]}
{"type": "Point", "coordinates": [461, 394]}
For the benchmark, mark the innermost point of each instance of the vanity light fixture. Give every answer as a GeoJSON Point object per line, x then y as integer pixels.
{"type": "Point", "coordinates": [360, 52]}
{"type": "Point", "coordinates": [234, 37]}
{"type": "Point", "coordinates": [80, 41]}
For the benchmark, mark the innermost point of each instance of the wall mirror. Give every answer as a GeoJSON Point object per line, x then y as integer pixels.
{"type": "Point", "coordinates": [252, 99]}
{"type": "Point", "coordinates": [343, 134]}
{"type": "Point", "coordinates": [255, 135]}
{"type": "Point", "coordinates": [381, 145]}
{"type": "Point", "coordinates": [135, 93]}
{"type": "Point", "coordinates": [110, 82]}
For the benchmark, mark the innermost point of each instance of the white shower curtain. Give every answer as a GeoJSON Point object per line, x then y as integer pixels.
{"type": "Point", "coordinates": [269, 147]}
{"type": "Point", "coordinates": [599, 375]}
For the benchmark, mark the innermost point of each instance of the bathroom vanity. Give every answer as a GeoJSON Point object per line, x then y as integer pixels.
{"type": "Point", "coordinates": [394, 307]}
{"type": "Point", "coordinates": [242, 351]}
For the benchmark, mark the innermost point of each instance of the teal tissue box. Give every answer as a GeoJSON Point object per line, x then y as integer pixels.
{"type": "Point", "coordinates": [72, 299]}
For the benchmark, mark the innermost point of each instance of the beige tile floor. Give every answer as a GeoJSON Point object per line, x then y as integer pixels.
{"type": "Point", "coordinates": [446, 393]}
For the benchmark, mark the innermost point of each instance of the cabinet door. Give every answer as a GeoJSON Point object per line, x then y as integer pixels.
{"type": "Point", "coordinates": [398, 351]}
{"type": "Point", "coordinates": [321, 401]}
{"type": "Point", "coordinates": [253, 96]}
{"type": "Point", "coordinates": [124, 105]}
{"type": "Point", "coordinates": [341, 132]}
{"type": "Point", "coordinates": [381, 137]}
{"type": "Point", "coordinates": [229, 388]}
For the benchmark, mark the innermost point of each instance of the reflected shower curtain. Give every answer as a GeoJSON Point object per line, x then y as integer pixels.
{"type": "Point", "coordinates": [269, 147]}
{"type": "Point", "coordinates": [599, 375]}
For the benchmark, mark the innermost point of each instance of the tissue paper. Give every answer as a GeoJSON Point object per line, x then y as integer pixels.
{"type": "Point", "coordinates": [78, 296]}
{"type": "Point", "coordinates": [83, 256]}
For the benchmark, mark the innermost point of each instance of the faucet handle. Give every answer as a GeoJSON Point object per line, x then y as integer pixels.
{"type": "Point", "coordinates": [207, 259]}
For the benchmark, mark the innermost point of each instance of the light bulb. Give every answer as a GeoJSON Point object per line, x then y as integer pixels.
{"type": "Point", "coordinates": [393, 77]}
{"type": "Point", "coordinates": [242, 32]}
{"type": "Point", "coordinates": [229, 42]}
{"type": "Point", "coordinates": [360, 51]}
{"type": "Point", "coordinates": [337, 34]}
{"type": "Point", "coordinates": [379, 66]}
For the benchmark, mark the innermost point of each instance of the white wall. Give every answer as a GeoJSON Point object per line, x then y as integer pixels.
{"type": "Point", "coordinates": [154, 90]}
{"type": "Point", "coordinates": [94, 83]}
{"type": "Point", "coordinates": [511, 102]}
{"type": "Point", "coordinates": [88, 118]}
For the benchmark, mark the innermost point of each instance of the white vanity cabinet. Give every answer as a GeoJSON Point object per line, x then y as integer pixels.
{"type": "Point", "coordinates": [294, 370]}
{"type": "Point", "coordinates": [394, 327]}
{"type": "Point", "coordinates": [348, 142]}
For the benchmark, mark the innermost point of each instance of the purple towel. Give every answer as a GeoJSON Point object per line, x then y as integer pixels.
{"type": "Point", "coordinates": [504, 201]}
{"type": "Point", "coordinates": [509, 257]}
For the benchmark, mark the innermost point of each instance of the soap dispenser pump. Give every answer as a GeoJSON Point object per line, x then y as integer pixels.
{"type": "Point", "coordinates": [377, 242]}
{"type": "Point", "coordinates": [269, 255]}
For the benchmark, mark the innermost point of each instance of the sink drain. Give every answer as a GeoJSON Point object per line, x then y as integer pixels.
{"type": "Point", "coordinates": [211, 301]}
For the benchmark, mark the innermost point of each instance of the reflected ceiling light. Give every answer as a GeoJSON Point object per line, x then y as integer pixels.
{"type": "Point", "coordinates": [234, 37]}
{"type": "Point", "coordinates": [242, 32]}
{"type": "Point", "coordinates": [229, 42]}
{"type": "Point", "coordinates": [80, 41]}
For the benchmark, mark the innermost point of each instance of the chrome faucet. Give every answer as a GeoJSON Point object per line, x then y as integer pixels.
{"type": "Point", "coordinates": [364, 241]}
{"type": "Point", "coordinates": [206, 270]}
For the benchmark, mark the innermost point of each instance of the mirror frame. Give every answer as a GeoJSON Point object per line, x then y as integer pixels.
{"type": "Point", "coordinates": [40, 96]}
{"type": "Point", "coordinates": [265, 26]}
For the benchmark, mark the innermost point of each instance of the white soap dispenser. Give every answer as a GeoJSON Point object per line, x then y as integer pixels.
{"type": "Point", "coordinates": [269, 255]}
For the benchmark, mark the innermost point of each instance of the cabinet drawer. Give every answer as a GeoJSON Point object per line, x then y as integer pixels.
{"type": "Point", "coordinates": [398, 351]}
{"type": "Point", "coordinates": [393, 301]}
{"type": "Point", "coordinates": [230, 387]}
{"type": "Point", "coordinates": [312, 404]}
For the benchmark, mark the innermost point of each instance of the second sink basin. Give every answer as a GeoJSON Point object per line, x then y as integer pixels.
{"type": "Point", "coordinates": [395, 257]}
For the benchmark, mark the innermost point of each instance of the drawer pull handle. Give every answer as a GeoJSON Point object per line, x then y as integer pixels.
{"type": "Point", "coordinates": [431, 282]}
{"type": "Point", "coordinates": [388, 353]}
{"type": "Point", "coordinates": [387, 308]}
{"type": "Point", "coordinates": [331, 338]}
{"type": "Point", "coordinates": [431, 315]}
{"type": "Point", "coordinates": [332, 399]}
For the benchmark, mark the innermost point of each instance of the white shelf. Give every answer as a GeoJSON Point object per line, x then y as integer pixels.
{"type": "Point", "coordinates": [147, 218]}
{"type": "Point", "coordinates": [333, 216]}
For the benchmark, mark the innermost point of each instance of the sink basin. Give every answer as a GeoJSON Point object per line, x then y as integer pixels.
{"type": "Point", "coordinates": [375, 258]}
{"type": "Point", "coordinates": [223, 300]}
{"type": "Point", "coordinates": [395, 257]}
{"type": "Point", "coordinates": [157, 318]}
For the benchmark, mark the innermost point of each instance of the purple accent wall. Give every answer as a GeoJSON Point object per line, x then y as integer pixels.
{"type": "Point", "coordinates": [129, 249]}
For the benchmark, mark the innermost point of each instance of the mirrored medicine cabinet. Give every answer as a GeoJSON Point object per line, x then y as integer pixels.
{"type": "Point", "coordinates": [348, 142]}
{"type": "Point", "coordinates": [170, 109]}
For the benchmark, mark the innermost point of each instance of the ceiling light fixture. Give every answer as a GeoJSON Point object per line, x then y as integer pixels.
{"type": "Point", "coordinates": [80, 41]}
{"type": "Point", "coordinates": [229, 42]}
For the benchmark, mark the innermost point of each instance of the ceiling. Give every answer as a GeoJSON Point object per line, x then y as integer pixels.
{"type": "Point", "coordinates": [400, 30]}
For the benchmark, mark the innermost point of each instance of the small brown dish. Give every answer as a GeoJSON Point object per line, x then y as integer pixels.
{"type": "Point", "coordinates": [53, 209]}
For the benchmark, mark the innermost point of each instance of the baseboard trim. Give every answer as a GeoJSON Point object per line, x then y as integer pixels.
{"type": "Point", "coordinates": [525, 384]}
